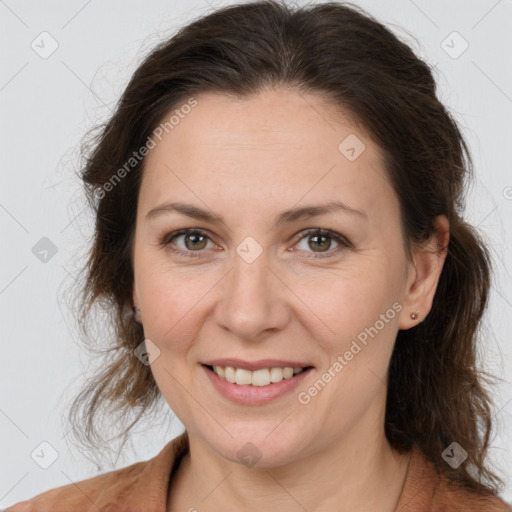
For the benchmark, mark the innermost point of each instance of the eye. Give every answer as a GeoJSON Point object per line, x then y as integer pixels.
{"type": "Point", "coordinates": [322, 239]}
{"type": "Point", "coordinates": [193, 239]}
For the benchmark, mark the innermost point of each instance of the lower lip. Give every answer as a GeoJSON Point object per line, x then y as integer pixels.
{"type": "Point", "coordinates": [255, 395]}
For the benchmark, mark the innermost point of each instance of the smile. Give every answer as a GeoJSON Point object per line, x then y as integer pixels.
{"type": "Point", "coordinates": [256, 387]}
{"type": "Point", "coordinates": [262, 377]}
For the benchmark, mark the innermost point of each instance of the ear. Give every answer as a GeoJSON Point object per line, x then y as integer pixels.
{"type": "Point", "coordinates": [135, 302]}
{"type": "Point", "coordinates": [424, 273]}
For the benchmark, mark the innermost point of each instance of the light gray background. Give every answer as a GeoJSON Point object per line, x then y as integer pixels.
{"type": "Point", "coordinates": [47, 104]}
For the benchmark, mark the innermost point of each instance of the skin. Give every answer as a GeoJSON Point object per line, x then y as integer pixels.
{"type": "Point", "coordinates": [248, 160]}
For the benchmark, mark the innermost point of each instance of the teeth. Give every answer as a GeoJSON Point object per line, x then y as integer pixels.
{"type": "Point", "coordinates": [276, 374]}
{"type": "Point", "coordinates": [262, 377]}
{"type": "Point", "coordinates": [243, 376]}
{"type": "Point", "coordinates": [229, 374]}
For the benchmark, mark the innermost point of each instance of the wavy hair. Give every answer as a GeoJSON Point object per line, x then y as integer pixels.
{"type": "Point", "coordinates": [436, 393]}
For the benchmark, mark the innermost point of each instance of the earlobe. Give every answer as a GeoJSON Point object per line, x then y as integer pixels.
{"type": "Point", "coordinates": [428, 265]}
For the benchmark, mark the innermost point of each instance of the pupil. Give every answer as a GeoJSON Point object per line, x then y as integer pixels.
{"type": "Point", "coordinates": [194, 238]}
{"type": "Point", "coordinates": [316, 237]}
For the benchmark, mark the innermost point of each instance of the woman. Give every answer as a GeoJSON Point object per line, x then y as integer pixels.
{"type": "Point", "coordinates": [279, 200]}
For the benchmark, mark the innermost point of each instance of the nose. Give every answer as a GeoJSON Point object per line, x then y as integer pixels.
{"type": "Point", "coordinates": [253, 300]}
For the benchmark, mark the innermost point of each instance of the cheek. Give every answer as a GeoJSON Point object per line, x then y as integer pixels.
{"type": "Point", "coordinates": [358, 310]}
{"type": "Point", "coordinates": [173, 304]}
{"type": "Point", "coordinates": [356, 318]}
{"type": "Point", "coordinates": [349, 298]}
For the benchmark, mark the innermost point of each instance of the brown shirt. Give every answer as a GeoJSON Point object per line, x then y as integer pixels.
{"type": "Point", "coordinates": [144, 487]}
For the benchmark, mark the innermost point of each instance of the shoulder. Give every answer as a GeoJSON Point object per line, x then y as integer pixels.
{"type": "Point", "coordinates": [451, 497]}
{"type": "Point", "coordinates": [80, 496]}
{"type": "Point", "coordinates": [426, 490]}
{"type": "Point", "coordinates": [140, 486]}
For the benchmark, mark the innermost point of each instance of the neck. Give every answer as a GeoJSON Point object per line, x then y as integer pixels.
{"type": "Point", "coordinates": [356, 472]}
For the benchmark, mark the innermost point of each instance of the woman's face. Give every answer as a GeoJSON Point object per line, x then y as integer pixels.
{"type": "Point", "coordinates": [253, 288]}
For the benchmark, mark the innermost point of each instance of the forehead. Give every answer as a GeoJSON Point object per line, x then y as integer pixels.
{"type": "Point", "coordinates": [274, 147]}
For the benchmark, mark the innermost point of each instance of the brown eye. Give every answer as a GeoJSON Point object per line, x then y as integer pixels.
{"type": "Point", "coordinates": [192, 241]}
{"type": "Point", "coordinates": [195, 241]}
{"type": "Point", "coordinates": [320, 241]}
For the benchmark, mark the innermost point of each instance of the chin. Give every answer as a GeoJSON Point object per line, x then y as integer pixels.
{"type": "Point", "coordinates": [254, 447]}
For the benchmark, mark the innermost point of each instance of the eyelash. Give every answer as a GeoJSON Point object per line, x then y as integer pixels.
{"type": "Point", "coordinates": [344, 243]}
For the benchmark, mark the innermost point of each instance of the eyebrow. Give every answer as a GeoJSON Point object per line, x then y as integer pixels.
{"type": "Point", "coordinates": [285, 217]}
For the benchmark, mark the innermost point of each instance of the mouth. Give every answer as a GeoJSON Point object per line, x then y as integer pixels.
{"type": "Point", "coordinates": [266, 376]}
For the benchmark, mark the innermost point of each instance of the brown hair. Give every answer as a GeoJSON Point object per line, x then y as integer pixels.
{"type": "Point", "coordinates": [435, 391]}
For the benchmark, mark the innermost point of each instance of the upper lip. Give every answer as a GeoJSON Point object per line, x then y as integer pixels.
{"type": "Point", "coordinates": [256, 365]}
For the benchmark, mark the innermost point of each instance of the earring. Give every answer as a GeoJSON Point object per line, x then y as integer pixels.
{"type": "Point", "coordinates": [136, 311]}
{"type": "Point", "coordinates": [415, 315]}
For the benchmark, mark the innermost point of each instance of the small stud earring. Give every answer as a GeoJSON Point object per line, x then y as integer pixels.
{"type": "Point", "coordinates": [136, 311]}
{"type": "Point", "coordinates": [415, 315]}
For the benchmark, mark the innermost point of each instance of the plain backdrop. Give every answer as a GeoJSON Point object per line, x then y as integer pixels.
{"type": "Point", "coordinates": [64, 65]}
